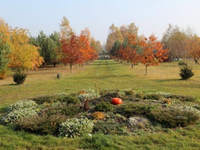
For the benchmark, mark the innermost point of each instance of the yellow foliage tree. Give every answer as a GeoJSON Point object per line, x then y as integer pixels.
{"type": "Point", "coordinates": [24, 56]}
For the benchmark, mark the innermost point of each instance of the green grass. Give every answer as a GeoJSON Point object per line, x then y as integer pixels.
{"type": "Point", "coordinates": [102, 75]}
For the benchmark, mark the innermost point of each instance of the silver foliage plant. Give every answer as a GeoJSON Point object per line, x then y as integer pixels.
{"type": "Point", "coordinates": [76, 127]}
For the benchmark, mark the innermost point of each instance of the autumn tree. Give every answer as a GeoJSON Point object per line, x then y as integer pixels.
{"type": "Point", "coordinates": [120, 34]}
{"type": "Point", "coordinates": [152, 52]}
{"type": "Point", "coordinates": [193, 48]}
{"type": "Point", "coordinates": [96, 45]}
{"type": "Point", "coordinates": [174, 40]}
{"type": "Point", "coordinates": [114, 35]}
{"type": "Point", "coordinates": [23, 56]}
{"type": "Point", "coordinates": [130, 49]}
{"type": "Point", "coordinates": [4, 58]}
{"type": "Point", "coordinates": [77, 51]}
{"type": "Point", "coordinates": [4, 48]}
{"type": "Point", "coordinates": [66, 30]}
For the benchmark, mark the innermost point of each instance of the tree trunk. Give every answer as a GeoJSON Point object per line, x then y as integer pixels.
{"type": "Point", "coordinates": [70, 65]}
{"type": "Point", "coordinates": [132, 66]}
{"type": "Point", "coordinates": [196, 61]}
{"type": "Point", "coordinates": [146, 71]}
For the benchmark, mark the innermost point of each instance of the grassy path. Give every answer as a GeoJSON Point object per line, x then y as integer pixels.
{"type": "Point", "coordinates": [102, 75]}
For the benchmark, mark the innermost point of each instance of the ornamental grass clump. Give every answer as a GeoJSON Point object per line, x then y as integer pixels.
{"type": "Point", "coordinates": [76, 127]}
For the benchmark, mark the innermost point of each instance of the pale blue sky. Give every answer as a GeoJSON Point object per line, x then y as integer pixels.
{"type": "Point", "coordinates": [151, 16]}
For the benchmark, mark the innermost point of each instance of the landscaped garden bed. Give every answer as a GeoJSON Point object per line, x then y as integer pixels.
{"type": "Point", "coordinates": [90, 112]}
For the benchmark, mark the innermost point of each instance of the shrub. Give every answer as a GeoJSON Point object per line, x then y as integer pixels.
{"type": "Point", "coordinates": [68, 110]}
{"type": "Point", "coordinates": [186, 72]}
{"type": "Point", "coordinates": [110, 126]}
{"type": "Point", "coordinates": [63, 97]}
{"type": "Point", "coordinates": [98, 115]}
{"type": "Point", "coordinates": [132, 109]}
{"type": "Point", "coordinates": [76, 127]}
{"type": "Point", "coordinates": [129, 92]}
{"type": "Point", "coordinates": [19, 77]}
{"type": "Point", "coordinates": [182, 63]}
{"type": "Point", "coordinates": [104, 106]}
{"type": "Point", "coordinates": [22, 104]}
{"type": "Point", "coordinates": [16, 115]}
{"type": "Point", "coordinates": [88, 94]}
{"type": "Point", "coordinates": [175, 116]}
{"type": "Point", "coordinates": [152, 96]}
{"type": "Point", "coordinates": [41, 124]}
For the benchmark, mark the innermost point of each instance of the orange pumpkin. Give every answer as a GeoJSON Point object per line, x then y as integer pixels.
{"type": "Point", "coordinates": [116, 101]}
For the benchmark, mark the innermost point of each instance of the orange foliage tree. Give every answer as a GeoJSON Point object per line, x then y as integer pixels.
{"type": "Point", "coordinates": [77, 50]}
{"type": "Point", "coordinates": [129, 50]}
{"type": "Point", "coordinates": [152, 53]}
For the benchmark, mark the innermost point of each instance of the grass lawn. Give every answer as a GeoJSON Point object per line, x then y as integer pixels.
{"type": "Point", "coordinates": [102, 75]}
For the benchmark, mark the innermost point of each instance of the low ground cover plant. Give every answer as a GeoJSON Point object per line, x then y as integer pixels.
{"type": "Point", "coordinates": [64, 114]}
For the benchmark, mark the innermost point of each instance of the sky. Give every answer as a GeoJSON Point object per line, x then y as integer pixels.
{"type": "Point", "coordinates": [151, 16]}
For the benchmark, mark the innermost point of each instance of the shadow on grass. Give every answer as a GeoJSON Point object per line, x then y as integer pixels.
{"type": "Point", "coordinates": [168, 80]}
{"type": "Point", "coordinates": [103, 77]}
{"type": "Point", "coordinates": [98, 64]}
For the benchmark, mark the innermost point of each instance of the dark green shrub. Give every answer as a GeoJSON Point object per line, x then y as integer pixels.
{"type": "Point", "coordinates": [19, 77]}
{"type": "Point", "coordinates": [180, 97]}
{"type": "Point", "coordinates": [152, 96]}
{"type": "Point", "coordinates": [175, 116]}
{"type": "Point", "coordinates": [132, 109]}
{"type": "Point", "coordinates": [104, 106]}
{"type": "Point", "coordinates": [67, 110]}
{"type": "Point", "coordinates": [182, 63]}
{"type": "Point", "coordinates": [71, 110]}
{"type": "Point", "coordinates": [69, 99]}
{"type": "Point", "coordinates": [186, 72]}
{"type": "Point", "coordinates": [110, 127]}
{"type": "Point", "coordinates": [41, 124]}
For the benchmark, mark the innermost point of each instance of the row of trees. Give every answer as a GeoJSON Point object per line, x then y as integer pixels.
{"type": "Point", "coordinates": [20, 52]}
{"type": "Point", "coordinates": [181, 44]}
{"type": "Point", "coordinates": [77, 49]}
{"type": "Point", "coordinates": [124, 44]}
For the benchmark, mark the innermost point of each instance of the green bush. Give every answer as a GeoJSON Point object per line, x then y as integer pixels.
{"type": "Point", "coordinates": [132, 109]}
{"type": "Point", "coordinates": [110, 127]}
{"type": "Point", "coordinates": [88, 94]}
{"type": "Point", "coordinates": [22, 104]}
{"type": "Point", "coordinates": [175, 116]}
{"type": "Point", "coordinates": [64, 98]}
{"type": "Point", "coordinates": [152, 96]}
{"type": "Point", "coordinates": [19, 78]}
{"type": "Point", "coordinates": [76, 127]}
{"type": "Point", "coordinates": [16, 115]}
{"type": "Point", "coordinates": [67, 110]}
{"type": "Point", "coordinates": [41, 124]}
{"type": "Point", "coordinates": [186, 72]}
{"type": "Point", "coordinates": [129, 92]}
{"type": "Point", "coordinates": [104, 106]}
{"type": "Point", "coordinates": [182, 63]}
